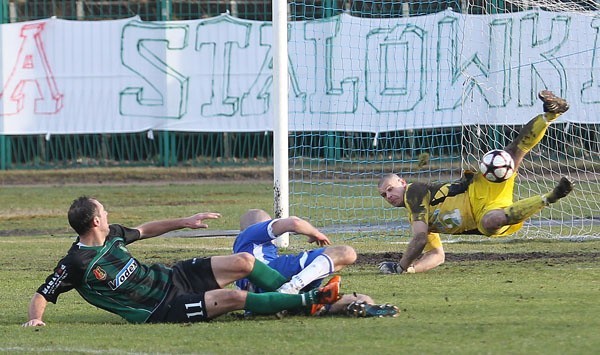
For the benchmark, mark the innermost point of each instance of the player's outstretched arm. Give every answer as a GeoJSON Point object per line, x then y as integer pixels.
{"type": "Point", "coordinates": [156, 228]}
{"type": "Point", "coordinates": [298, 225]}
{"type": "Point", "coordinates": [416, 244]}
{"type": "Point", "coordinates": [37, 306]}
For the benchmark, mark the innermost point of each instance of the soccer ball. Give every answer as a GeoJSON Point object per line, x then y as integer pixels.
{"type": "Point", "coordinates": [497, 165]}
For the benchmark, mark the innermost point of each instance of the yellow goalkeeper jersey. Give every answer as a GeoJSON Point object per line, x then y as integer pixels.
{"type": "Point", "coordinates": [445, 208]}
{"type": "Point", "coordinates": [458, 207]}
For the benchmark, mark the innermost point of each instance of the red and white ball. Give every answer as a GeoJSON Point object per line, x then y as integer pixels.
{"type": "Point", "coordinates": [497, 165]}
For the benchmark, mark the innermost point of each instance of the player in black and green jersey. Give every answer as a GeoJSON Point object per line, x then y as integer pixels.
{"type": "Point", "coordinates": [100, 267]}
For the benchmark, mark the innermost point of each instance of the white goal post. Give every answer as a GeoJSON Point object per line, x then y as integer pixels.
{"type": "Point", "coordinates": [280, 116]}
{"type": "Point", "coordinates": [423, 89]}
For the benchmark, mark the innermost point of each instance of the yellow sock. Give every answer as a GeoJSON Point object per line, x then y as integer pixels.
{"type": "Point", "coordinates": [551, 117]}
{"type": "Point", "coordinates": [523, 209]}
{"type": "Point", "coordinates": [534, 131]}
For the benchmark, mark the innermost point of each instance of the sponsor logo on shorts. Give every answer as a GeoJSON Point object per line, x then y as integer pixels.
{"type": "Point", "coordinates": [124, 274]}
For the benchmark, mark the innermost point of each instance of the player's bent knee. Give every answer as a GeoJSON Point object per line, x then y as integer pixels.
{"type": "Point", "coordinates": [493, 221]}
{"type": "Point", "coordinates": [350, 254]}
{"type": "Point", "coordinates": [341, 254]}
{"type": "Point", "coordinates": [243, 262]}
{"type": "Point", "coordinates": [441, 260]}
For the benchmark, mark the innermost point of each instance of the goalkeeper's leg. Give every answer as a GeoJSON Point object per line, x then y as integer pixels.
{"type": "Point", "coordinates": [521, 210]}
{"type": "Point", "coordinates": [533, 132]}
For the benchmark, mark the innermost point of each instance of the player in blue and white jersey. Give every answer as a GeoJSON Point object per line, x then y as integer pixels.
{"type": "Point", "coordinates": [305, 270]}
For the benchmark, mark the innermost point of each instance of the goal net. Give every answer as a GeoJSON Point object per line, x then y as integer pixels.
{"type": "Point", "coordinates": [424, 89]}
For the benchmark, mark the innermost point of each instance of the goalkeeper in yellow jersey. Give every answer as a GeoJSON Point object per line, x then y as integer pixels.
{"type": "Point", "coordinates": [471, 205]}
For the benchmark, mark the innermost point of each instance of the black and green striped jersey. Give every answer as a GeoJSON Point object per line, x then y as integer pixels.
{"type": "Point", "coordinates": [110, 278]}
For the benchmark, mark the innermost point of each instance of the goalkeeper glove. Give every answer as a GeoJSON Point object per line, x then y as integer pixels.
{"type": "Point", "coordinates": [390, 267]}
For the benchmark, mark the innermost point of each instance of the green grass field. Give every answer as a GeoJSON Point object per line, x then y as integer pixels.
{"type": "Point", "coordinates": [541, 299]}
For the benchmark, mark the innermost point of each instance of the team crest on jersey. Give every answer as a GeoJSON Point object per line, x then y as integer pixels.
{"type": "Point", "coordinates": [99, 273]}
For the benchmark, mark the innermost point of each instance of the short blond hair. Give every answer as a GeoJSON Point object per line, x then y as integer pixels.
{"type": "Point", "coordinates": [253, 216]}
{"type": "Point", "coordinates": [388, 177]}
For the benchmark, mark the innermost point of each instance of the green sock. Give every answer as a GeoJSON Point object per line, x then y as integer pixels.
{"type": "Point", "coordinates": [272, 302]}
{"type": "Point", "coordinates": [265, 277]}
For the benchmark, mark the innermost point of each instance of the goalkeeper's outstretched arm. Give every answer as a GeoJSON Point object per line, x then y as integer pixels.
{"type": "Point", "coordinates": [416, 244]}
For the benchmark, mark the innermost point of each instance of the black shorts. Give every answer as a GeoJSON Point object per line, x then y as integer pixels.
{"type": "Point", "coordinates": [185, 300]}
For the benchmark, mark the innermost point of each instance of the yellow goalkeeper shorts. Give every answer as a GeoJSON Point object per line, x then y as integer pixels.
{"type": "Point", "coordinates": [486, 196]}
{"type": "Point", "coordinates": [433, 242]}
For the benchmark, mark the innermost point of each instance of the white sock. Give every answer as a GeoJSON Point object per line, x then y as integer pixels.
{"type": "Point", "coordinates": [318, 269]}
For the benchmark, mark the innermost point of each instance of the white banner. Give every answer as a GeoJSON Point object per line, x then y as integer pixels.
{"type": "Point", "coordinates": [346, 73]}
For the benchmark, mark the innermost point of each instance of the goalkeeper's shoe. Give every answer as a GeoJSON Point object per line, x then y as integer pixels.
{"type": "Point", "coordinates": [363, 309]}
{"type": "Point", "coordinates": [553, 103]}
{"type": "Point", "coordinates": [330, 293]}
{"type": "Point", "coordinates": [390, 267]}
{"type": "Point", "coordinates": [564, 187]}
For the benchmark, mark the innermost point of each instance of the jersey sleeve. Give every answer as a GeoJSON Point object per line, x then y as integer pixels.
{"type": "Point", "coordinates": [258, 233]}
{"type": "Point", "coordinates": [417, 202]}
{"type": "Point", "coordinates": [130, 235]}
{"type": "Point", "coordinates": [63, 279]}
